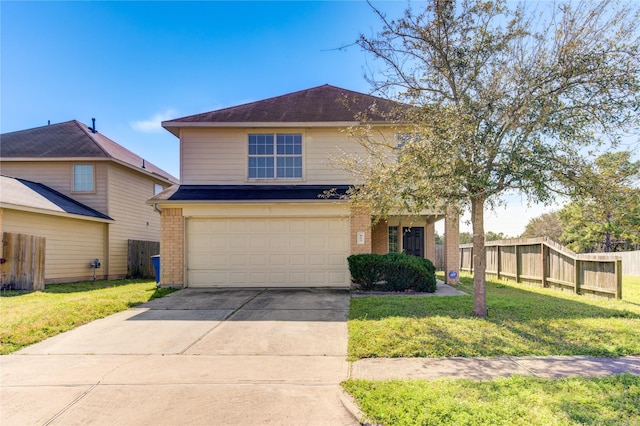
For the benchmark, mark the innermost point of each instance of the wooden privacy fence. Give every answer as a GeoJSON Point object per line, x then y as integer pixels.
{"type": "Point", "coordinates": [22, 265]}
{"type": "Point", "coordinates": [139, 264]}
{"type": "Point", "coordinates": [439, 260]}
{"type": "Point", "coordinates": [630, 261]}
{"type": "Point", "coordinates": [546, 263]}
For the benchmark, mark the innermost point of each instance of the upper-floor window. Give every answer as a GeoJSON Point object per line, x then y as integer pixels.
{"type": "Point", "coordinates": [83, 178]}
{"type": "Point", "coordinates": [157, 188]}
{"type": "Point", "coordinates": [275, 156]}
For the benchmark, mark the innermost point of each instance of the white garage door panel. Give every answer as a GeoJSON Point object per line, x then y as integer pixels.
{"type": "Point", "coordinates": [282, 252]}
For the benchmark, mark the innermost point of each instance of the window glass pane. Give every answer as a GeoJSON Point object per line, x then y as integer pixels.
{"type": "Point", "coordinates": [289, 144]}
{"type": "Point", "coordinates": [83, 177]}
{"type": "Point", "coordinates": [157, 188]}
{"type": "Point", "coordinates": [260, 144]}
{"type": "Point", "coordinates": [393, 239]}
{"type": "Point", "coordinates": [289, 167]}
{"type": "Point", "coordinates": [297, 144]}
{"type": "Point", "coordinates": [260, 167]}
{"type": "Point", "coordinates": [289, 152]}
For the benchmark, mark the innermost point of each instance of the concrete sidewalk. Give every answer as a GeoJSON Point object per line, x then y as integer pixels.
{"type": "Point", "coordinates": [442, 289]}
{"type": "Point", "coordinates": [490, 368]}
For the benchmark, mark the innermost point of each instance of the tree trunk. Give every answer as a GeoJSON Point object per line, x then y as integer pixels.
{"type": "Point", "coordinates": [479, 258]}
{"type": "Point", "coordinates": [607, 242]}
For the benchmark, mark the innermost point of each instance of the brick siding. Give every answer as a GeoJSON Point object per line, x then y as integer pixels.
{"type": "Point", "coordinates": [360, 222]}
{"type": "Point", "coordinates": [380, 238]}
{"type": "Point", "coordinates": [172, 247]}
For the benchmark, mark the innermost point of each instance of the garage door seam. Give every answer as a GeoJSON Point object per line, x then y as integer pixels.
{"type": "Point", "coordinates": [222, 322]}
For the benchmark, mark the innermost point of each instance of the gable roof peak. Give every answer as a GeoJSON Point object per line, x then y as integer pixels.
{"type": "Point", "coordinates": [325, 103]}
{"type": "Point", "coordinates": [72, 139]}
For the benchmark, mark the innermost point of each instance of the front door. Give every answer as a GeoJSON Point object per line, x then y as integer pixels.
{"type": "Point", "coordinates": [413, 240]}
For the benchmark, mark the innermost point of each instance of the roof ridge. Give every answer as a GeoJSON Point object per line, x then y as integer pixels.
{"type": "Point", "coordinates": [271, 98]}
{"type": "Point", "coordinates": [85, 129]}
{"type": "Point", "coordinates": [40, 127]}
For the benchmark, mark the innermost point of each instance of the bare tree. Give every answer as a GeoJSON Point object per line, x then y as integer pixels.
{"type": "Point", "coordinates": [500, 98]}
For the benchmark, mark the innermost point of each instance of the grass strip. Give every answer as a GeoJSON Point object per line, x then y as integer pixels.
{"type": "Point", "coordinates": [516, 400]}
{"type": "Point", "coordinates": [28, 317]}
{"type": "Point", "coordinates": [523, 321]}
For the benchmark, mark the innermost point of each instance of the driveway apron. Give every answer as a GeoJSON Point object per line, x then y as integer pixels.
{"type": "Point", "coordinates": [195, 357]}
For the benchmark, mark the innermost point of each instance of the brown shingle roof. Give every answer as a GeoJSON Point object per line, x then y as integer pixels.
{"type": "Point", "coordinates": [24, 193]}
{"type": "Point", "coordinates": [319, 104]}
{"type": "Point", "coordinates": [71, 139]}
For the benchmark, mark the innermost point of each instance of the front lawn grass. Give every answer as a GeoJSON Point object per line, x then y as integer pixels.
{"type": "Point", "coordinates": [516, 400]}
{"type": "Point", "coordinates": [523, 321]}
{"type": "Point", "coordinates": [28, 317]}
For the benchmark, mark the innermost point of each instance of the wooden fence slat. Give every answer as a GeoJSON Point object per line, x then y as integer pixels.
{"type": "Point", "coordinates": [24, 265]}
{"type": "Point", "coordinates": [139, 264]}
{"type": "Point", "coordinates": [543, 261]}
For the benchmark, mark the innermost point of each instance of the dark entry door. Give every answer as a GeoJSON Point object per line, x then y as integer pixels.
{"type": "Point", "coordinates": [413, 241]}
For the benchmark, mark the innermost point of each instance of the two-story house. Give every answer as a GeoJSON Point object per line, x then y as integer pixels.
{"type": "Point", "coordinates": [248, 210]}
{"type": "Point", "coordinates": [83, 192]}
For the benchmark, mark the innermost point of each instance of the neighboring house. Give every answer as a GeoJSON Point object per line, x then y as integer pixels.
{"type": "Point", "coordinates": [83, 192]}
{"type": "Point", "coordinates": [248, 211]}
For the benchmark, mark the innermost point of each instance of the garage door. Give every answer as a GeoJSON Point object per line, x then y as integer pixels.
{"type": "Point", "coordinates": [277, 252]}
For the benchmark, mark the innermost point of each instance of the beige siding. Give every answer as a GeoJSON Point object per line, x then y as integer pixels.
{"type": "Point", "coordinates": [58, 175]}
{"type": "Point", "coordinates": [219, 156]}
{"type": "Point", "coordinates": [322, 146]}
{"type": "Point", "coordinates": [134, 219]}
{"type": "Point", "coordinates": [213, 157]}
{"type": "Point", "coordinates": [71, 244]}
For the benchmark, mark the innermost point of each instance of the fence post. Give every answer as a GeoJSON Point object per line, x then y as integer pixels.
{"type": "Point", "coordinates": [577, 275]}
{"type": "Point", "coordinates": [498, 261]}
{"type": "Point", "coordinates": [618, 271]}
{"type": "Point", "coordinates": [518, 262]}
{"type": "Point", "coordinates": [543, 260]}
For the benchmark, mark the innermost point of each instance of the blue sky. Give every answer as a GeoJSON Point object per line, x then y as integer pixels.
{"type": "Point", "coordinates": [131, 65]}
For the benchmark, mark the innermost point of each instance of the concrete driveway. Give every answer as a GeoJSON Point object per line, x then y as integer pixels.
{"type": "Point", "coordinates": [218, 356]}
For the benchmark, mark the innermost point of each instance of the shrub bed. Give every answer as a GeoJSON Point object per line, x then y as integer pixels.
{"type": "Point", "coordinates": [392, 272]}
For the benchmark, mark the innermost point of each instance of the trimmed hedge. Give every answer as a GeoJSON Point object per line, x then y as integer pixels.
{"type": "Point", "coordinates": [392, 272]}
{"type": "Point", "coordinates": [366, 270]}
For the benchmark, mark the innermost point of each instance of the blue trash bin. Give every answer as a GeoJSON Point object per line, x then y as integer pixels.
{"type": "Point", "coordinates": [156, 267]}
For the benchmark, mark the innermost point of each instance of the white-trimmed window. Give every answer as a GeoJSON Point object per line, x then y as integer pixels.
{"type": "Point", "coordinates": [157, 188]}
{"type": "Point", "coordinates": [275, 156]}
{"type": "Point", "coordinates": [393, 239]}
{"type": "Point", "coordinates": [83, 178]}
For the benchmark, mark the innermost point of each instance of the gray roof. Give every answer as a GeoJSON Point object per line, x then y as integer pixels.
{"type": "Point", "coordinates": [72, 139]}
{"type": "Point", "coordinates": [248, 193]}
{"type": "Point", "coordinates": [319, 104]}
{"type": "Point", "coordinates": [24, 193]}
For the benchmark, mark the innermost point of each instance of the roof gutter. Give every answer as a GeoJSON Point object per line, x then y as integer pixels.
{"type": "Point", "coordinates": [175, 126]}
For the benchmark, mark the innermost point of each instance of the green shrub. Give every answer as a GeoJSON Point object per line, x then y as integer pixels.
{"type": "Point", "coordinates": [392, 272]}
{"type": "Point", "coordinates": [403, 272]}
{"type": "Point", "coordinates": [366, 270]}
{"type": "Point", "coordinates": [429, 265]}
